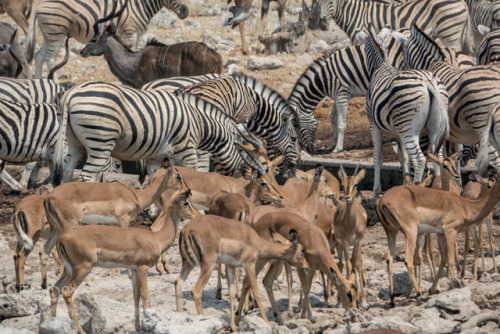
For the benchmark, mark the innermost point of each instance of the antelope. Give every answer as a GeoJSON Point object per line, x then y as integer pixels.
{"type": "Point", "coordinates": [413, 210]}
{"type": "Point", "coordinates": [350, 223]}
{"type": "Point", "coordinates": [210, 240]}
{"type": "Point", "coordinates": [473, 190]}
{"type": "Point", "coordinates": [155, 61]}
{"type": "Point", "coordinates": [77, 203]}
{"type": "Point", "coordinates": [19, 11]}
{"type": "Point", "coordinates": [334, 186]}
{"type": "Point", "coordinates": [13, 64]}
{"type": "Point", "coordinates": [30, 224]}
{"type": "Point", "coordinates": [85, 247]}
{"type": "Point", "coordinates": [316, 253]}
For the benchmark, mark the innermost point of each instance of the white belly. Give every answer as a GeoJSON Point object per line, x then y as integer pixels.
{"type": "Point", "coordinates": [425, 228]}
{"type": "Point", "coordinates": [229, 260]}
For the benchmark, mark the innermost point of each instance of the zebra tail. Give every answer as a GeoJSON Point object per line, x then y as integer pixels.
{"type": "Point", "coordinates": [31, 40]}
{"type": "Point", "coordinates": [438, 114]}
{"type": "Point", "coordinates": [19, 220]}
{"type": "Point", "coordinates": [482, 155]}
{"type": "Point", "coordinates": [60, 147]}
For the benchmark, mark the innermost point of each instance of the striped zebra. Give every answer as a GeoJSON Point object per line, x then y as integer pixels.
{"type": "Point", "coordinates": [488, 51]}
{"type": "Point", "coordinates": [270, 119]}
{"type": "Point", "coordinates": [103, 120]}
{"type": "Point", "coordinates": [31, 132]}
{"type": "Point", "coordinates": [403, 104]}
{"type": "Point", "coordinates": [59, 19]}
{"type": "Point", "coordinates": [472, 92]}
{"type": "Point", "coordinates": [449, 17]}
{"type": "Point", "coordinates": [342, 75]}
{"type": "Point", "coordinates": [483, 12]}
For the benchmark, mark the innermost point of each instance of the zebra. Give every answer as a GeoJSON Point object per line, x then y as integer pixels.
{"type": "Point", "coordinates": [104, 119]}
{"type": "Point", "coordinates": [472, 92]}
{"type": "Point", "coordinates": [59, 19]}
{"type": "Point", "coordinates": [488, 51]}
{"type": "Point", "coordinates": [449, 17]}
{"type": "Point", "coordinates": [31, 132]}
{"type": "Point", "coordinates": [483, 12]}
{"type": "Point", "coordinates": [402, 103]}
{"type": "Point", "coordinates": [341, 75]}
{"type": "Point", "coordinates": [174, 83]}
{"type": "Point", "coordinates": [270, 119]}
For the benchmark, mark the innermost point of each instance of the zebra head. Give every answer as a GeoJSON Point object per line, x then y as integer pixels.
{"type": "Point", "coordinates": [178, 7]}
{"type": "Point", "coordinates": [98, 43]}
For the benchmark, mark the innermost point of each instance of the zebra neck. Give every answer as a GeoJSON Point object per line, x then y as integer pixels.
{"type": "Point", "coordinates": [122, 62]}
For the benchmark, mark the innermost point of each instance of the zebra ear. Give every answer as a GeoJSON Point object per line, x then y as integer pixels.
{"type": "Point", "coordinates": [399, 36]}
{"type": "Point", "coordinates": [384, 32]}
{"type": "Point", "coordinates": [484, 30]}
{"type": "Point", "coordinates": [361, 36]}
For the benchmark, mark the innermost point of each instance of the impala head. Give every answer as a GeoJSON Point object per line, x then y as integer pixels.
{"type": "Point", "coordinates": [350, 183]}
{"type": "Point", "coordinates": [97, 44]}
{"type": "Point", "coordinates": [488, 181]}
{"type": "Point", "coordinates": [347, 289]}
{"type": "Point", "coordinates": [180, 203]}
{"type": "Point", "coordinates": [296, 252]}
{"type": "Point", "coordinates": [325, 191]}
{"type": "Point", "coordinates": [268, 191]}
{"type": "Point", "coordinates": [426, 182]}
{"type": "Point", "coordinates": [449, 165]}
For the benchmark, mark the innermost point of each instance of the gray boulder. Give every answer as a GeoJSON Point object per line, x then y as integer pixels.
{"type": "Point", "coordinates": [89, 314]}
{"type": "Point", "coordinates": [456, 302]}
{"type": "Point", "coordinates": [486, 295]}
{"type": "Point", "coordinates": [263, 63]}
{"type": "Point", "coordinates": [18, 305]}
{"type": "Point", "coordinates": [156, 322]}
{"type": "Point", "coordinates": [254, 324]}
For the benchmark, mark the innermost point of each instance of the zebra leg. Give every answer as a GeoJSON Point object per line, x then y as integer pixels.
{"type": "Point", "coordinates": [412, 147]}
{"type": "Point", "coordinates": [340, 109]}
{"type": "Point", "coordinates": [203, 161]}
{"type": "Point", "coordinates": [94, 165]}
{"type": "Point", "coordinates": [52, 53]}
{"type": "Point", "coordinates": [377, 160]}
{"type": "Point", "coordinates": [10, 181]}
{"type": "Point", "coordinates": [40, 59]}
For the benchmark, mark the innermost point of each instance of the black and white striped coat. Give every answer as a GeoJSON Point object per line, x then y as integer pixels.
{"type": "Point", "coordinates": [449, 17]}
{"type": "Point", "coordinates": [488, 51]}
{"type": "Point", "coordinates": [59, 19]}
{"type": "Point", "coordinates": [404, 104]}
{"type": "Point", "coordinates": [483, 12]}
{"type": "Point", "coordinates": [129, 124]}
{"type": "Point", "coordinates": [342, 75]}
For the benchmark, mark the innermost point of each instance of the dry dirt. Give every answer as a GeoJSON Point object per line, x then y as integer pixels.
{"type": "Point", "coordinates": [114, 295]}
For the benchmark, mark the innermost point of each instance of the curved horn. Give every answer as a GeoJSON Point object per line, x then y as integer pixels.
{"type": "Point", "coordinates": [258, 167]}
{"type": "Point", "coordinates": [342, 170]}
{"type": "Point", "coordinates": [242, 130]}
{"type": "Point", "coordinates": [53, 70]}
{"type": "Point", "coordinates": [110, 16]}
{"type": "Point", "coordinates": [356, 170]}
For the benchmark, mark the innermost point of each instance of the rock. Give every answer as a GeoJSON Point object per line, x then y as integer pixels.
{"type": "Point", "coordinates": [89, 314]}
{"type": "Point", "coordinates": [212, 11]}
{"type": "Point", "coordinates": [486, 295]}
{"type": "Point", "coordinates": [9, 284]}
{"type": "Point", "coordinates": [57, 325]}
{"type": "Point", "coordinates": [392, 323]}
{"type": "Point", "coordinates": [8, 330]}
{"type": "Point", "coordinates": [154, 321]}
{"type": "Point", "coordinates": [430, 321]}
{"type": "Point", "coordinates": [18, 305]}
{"type": "Point", "coordinates": [318, 45]}
{"type": "Point", "coordinates": [291, 10]}
{"type": "Point", "coordinates": [402, 286]}
{"type": "Point", "coordinates": [456, 302]}
{"type": "Point", "coordinates": [4, 244]}
{"type": "Point", "coordinates": [233, 69]}
{"type": "Point", "coordinates": [164, 19]}
{"type": "Point", "coordinates": [232, 60]}
{"type": "Point", "coordinates": [263, 63]}
{"type": "Point", "coordinates": [192, 24]}
{"type": "Point", "coordinates": [254, 324]}
{"type": "Point", "coordinates": [304, 59]}
{"type": "Point", "coordinates": [211, 39]}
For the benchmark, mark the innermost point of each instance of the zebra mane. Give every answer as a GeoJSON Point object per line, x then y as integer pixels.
{"type": "Point", "coordinates": [154, 42]}
{"type": "Point", "coordinates": [202, 105]}
{"type": "Point", "coordinates": [274, 98]}
{"type": "Point", "coordinates": [426, 44]}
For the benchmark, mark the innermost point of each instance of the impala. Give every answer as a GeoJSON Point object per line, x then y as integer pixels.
{"type": "Point", "coordinates": [77, 203]}
{"type": "Point", "coordinates": [85, 247]}
{"type": "Point", "coordinates": [413, 210]}
{"type": "Point", "coordinates": [210, 240]}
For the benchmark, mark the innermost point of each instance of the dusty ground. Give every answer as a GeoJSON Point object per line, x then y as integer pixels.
{"type": "Point", "coordinates": [114, 296]}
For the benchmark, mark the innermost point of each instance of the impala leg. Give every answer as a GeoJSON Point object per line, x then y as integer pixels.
{"type": "Point", "coordinates": [492, 241]}
{"type": "Point", "coordinates": [418, 260]}
{"type": "Point", "coordinates": [429, 249]}
{"type": "Point", "coordinates": [218, 290]}
{"type": "Point", "coordinates": [269, 278]}
{"type": "Point", "coordinates": [475, 239]}
{"type": "Point", "coordinates": [205, 272]}
{"type": "Point", "coordinates": [252, 279]}
{"type": "Point", "coordinates": [19, 264]}
{"type": "Point", "coordinates": [136, 293]}
{"type": "Point", "coordinates": [230, 283]}
{"type": "Point", "coordinates": [47, 249]}
{"type": "Point", "coordinates": [410, 251]}
{"type": "Point", "coordinates": [357, 264]}
{"type": "Point", "coordinates": [237, 282]}
{"type": "Point", "coordinates": [481, 244]}
{"type": "Point", "coordinates": [160, 264]}
{"type": "Point", "coordinates": [451, 237]}
{"type": "Point", "coordinates": [44, 259]}
{"type": "Point", "coordinates": [391, 237]}
{"type": "Point", "coordinates": [179, 282]}
{"type": "Point", "coordinates": [289, 281]}
{"type": "Point", "coordinates": [443, 252]}
{"type": "Point", "coordinates": [466, 252]}
{"type": "Point", "coordinates": [377, 160]}
{"type": "Point", "coordinates": [326, 291]}
{"type": "Point", "coordinates": [306, 282]}
{"type": "Point", "coordinates": [245, 286]}
{"type": "Point", "coordinates": [140, 290]}
{"type": "Point", "coordinates": [244, 45]}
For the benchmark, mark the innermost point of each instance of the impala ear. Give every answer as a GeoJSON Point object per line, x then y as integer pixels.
{"type": "Point", "coordinates": [434, 158]}
{"type": "Point", "coordinates": [167, 164]}
{"type": "Point", "coordinates": [407, 179]}
{"type": "Point", "coordinates": [399, 36]}
{"type": "Point", "coordinates": [277, 238]}
{"type": "Point", "coordinates": [293, 238]}
{"type": "Point", "coordinates": [484, 30]}
{"type": "Point", "coordinates": [361, 174]}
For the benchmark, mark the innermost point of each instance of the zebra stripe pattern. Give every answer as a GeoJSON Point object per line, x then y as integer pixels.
{"type": "Point", "coordinates": [450, 17]}
{"type": "Point", "coordinates": [483, 12]}
{"type": "Point", "coordinates": [130, 124]}
{"type": "Point", "coordinates": [403, 103]}
{"type": "Point", "coordinates": [172, 84]}
{"type": "Point", "coordinates": [472, 92]}
{"type": "Point", "coordinates": [59, 19]}
{"type": "Point", "coordinates": [29, 91]}
{"type": "Point", "coordinates": [29, 132]}
{"type": "Point", "coordinates": [266, 119]}
{"type": "Point", "coordinates": [488, 51]}
{"type": "Point", "coordinates": [342, 75]}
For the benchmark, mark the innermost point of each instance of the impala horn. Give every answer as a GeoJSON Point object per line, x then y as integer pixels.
{"type": "Point", "coordinates": [110, 16]}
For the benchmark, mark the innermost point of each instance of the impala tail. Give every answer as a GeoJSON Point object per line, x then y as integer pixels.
{"type": "Point", "coordinates": [21, 228]}
{"type": "Point", "coordinates": [482, 155]}
{"type": "Point", "coordinates": [438, 115]}
{"type": "Point", "coordinates": [60, 145]}
{"type": "Point", "coordinates": [31, 40]}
